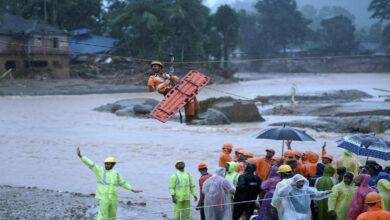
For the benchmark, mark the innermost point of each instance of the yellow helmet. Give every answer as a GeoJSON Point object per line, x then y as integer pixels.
{"type": "Point", "coordinates": [180, 161]}
{"type": "Point", "coordinates": [109, 160]}
{"type": "Point", "coordinates": [284, 169]}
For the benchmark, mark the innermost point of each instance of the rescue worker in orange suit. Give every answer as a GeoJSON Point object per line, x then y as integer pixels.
{"type": "Point", "coordinates": [240, 160]}
{"type": "Point", "coordinates": [202, 167]}
{"type": "Point", "coordinates": [236, 152]}
{"type": "Point", "coordinates": [326, 158]}
{"type": "Point", "coordinates": [300, 169]}
{"type": "Point", "coordinates": [374, 211]}
{"type": "Point", "coordinates": [163, 83]}
{"type": "Point", "coordinates": [311, 166]}
{"type": "Point", "coordinates": [264, 164]}
{"type": "Point", "coordinates": [225, 155]}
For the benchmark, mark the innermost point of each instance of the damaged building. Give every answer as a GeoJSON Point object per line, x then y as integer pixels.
{"type": "Point", "coordinates": [29, 47]}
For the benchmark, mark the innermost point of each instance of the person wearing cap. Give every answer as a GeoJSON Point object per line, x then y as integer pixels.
{"type": "Point", "coordinates": [181, 187]}
{"type": "Point", "coordinates": [108, 182]}
{"type": "Point", "coordinates": [202, 167]}
{"type": "Point", "coordinates": [340, 199]}
{"type": "Point", "coordinates": [374, 211]}
{"type": "Point", "coordinates": [286, 173]}
{"type": "Point", "coordinates": [240, 160]}
{"type": "Point", "coordinates": [300, 169]}
{"type": "Point", "coordinates": [163, 83]}
{"type": "Point", "coordinates": [225, 155]}
{"type": "Point", "coordinates": [264, 165]}
{"type": "Point", "coordinates": [236, 152]}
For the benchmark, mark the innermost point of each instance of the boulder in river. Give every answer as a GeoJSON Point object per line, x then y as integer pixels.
{"type": "Point", "coordinates": [140, 107]}
{"type": "Point", "coordinates": [235, 110]}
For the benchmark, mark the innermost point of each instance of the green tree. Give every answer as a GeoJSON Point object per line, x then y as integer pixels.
{"type": "Point", "coordinates": [381, 10]}
{"type": "Point", "coordinates": [281, 23]}
{"type": "Point", "coordinates": [226, 24]}
{"type": "Point", "coordinates": [338, 34]}
{"type": "Point", "coordinates": [68, 15]}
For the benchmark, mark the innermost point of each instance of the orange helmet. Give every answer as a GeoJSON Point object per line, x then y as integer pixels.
{"type": "Point", "coordinates": [297, 153]}
{"type": "Point", "coordinates": [156, 63]}
{"type": "Point", "coordinates": [238, 149]}
{"type": "Point", "coordinates": [227, 146]}
{"type": "Point", "coordinates": [373, 197]}
{"type": "Point", "coordinates": [248, 154]}
{"type": "Point", "coordinates": [330, 157]}
{"type": "Point", "coordinates": [276, 158]}
{"type": "Point", "coordinates": [288, 153]}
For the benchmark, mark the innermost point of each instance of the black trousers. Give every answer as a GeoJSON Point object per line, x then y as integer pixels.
{"type": "Point", "coordinates": [241, 207]}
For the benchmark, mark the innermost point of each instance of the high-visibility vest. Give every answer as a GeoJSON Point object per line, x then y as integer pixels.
{"type": "Point", "coordinates": [108, 181]}
{"type": "Point", "coordinates": [182, 185]}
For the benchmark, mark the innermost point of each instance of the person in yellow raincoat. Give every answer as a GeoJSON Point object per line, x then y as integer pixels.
{"type": "Point", "coordinates": [231, 174]}
{"type": "Point", "coordinates": [349, 161]}
{"type": "Point", "coordinates": [181, 186]}
{"type": "Point", "coordinates": [108, 182]}
{"type": "Point", "coordinates": [383, 187]}
{"type": "Point", "coordinates": [340, 199]}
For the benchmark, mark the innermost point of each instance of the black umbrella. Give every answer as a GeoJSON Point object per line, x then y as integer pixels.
{"type": "Point", "coordinates": [366, 145]}
{"type": "Point", "coordinates": [284, 133]}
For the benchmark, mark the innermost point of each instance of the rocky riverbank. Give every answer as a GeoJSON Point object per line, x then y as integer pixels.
{"type": "Point", "coordinates": [32, 203]}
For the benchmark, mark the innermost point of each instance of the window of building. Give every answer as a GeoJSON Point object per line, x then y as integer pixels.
{"type": "Point", "coordinates": [57, 64]}
{"type": "Point", "coordinates": [10, 64]}
{"type": "Point", "coordinates": [55, 43]}
{"type": "Point", "coordinates": [40, 63]}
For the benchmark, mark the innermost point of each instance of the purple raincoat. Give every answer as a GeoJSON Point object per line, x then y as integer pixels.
{"type": "Point", "coordinates": [269, 185]}
{"type": "Point", "coordinates": [358, 204]}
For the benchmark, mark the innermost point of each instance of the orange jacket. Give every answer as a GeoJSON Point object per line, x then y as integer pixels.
{"type": "Point", "coordinates": [224, 158]}
{"type": "Point", "coordinates": [263, 167]}
{"type": "Point", "coordinates": [161, 82]}
{"type": "Point", "coordinates": [374, 213]}
{"type": "Point", "coordinates": [301, 169]}
{"type": "Point", "coordinates": [311, 166]}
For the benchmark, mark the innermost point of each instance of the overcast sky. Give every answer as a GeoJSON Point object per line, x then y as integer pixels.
{"type": "Point", "coordinates": [357, 7]}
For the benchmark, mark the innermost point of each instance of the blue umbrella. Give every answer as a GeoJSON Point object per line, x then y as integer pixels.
{"type": "Point", "coordinates": [366, 145]}
{"type": "Point", "coordinates": [284, 133]}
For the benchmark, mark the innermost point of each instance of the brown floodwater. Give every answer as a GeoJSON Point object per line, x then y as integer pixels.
{"type": "Point", "coordinates": [39, 136]}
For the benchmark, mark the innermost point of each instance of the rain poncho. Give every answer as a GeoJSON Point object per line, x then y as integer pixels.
{"type": "Point", "coordinates": [325, 183]}
{"type": "Point", "coordinates": [296, 203]}
{"type": "Point", "coordinates": [383, 175]}
{"type": "Point", "coordinates": [217, 191]}
{"type": "Point", "coordinates": [248, 187]}
{"type": "Point", "coordinates": [269, 186]}
{"type": "Point", "coordinates": [340, 199]}
{"type": "Point", "coordinates": [349, 161]}
{"type": "Point", "coordinates": [358, 205]}
{"type": "Point", "coordinates": [374, 213]}
{"type": "Point", "coordinates": [231, 174]}
{"type": "Point", "coordinates": [383, 187]}
{"type": "Point", "coordinates": [276, 200]}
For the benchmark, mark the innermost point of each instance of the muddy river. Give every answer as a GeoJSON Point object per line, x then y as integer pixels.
{"type": "Point", "coordinates": [39, 136]}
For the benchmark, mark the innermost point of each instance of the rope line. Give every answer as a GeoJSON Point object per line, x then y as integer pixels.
{"type": "Point", "coordinates": [241, 202]}
{"type": "Point", "coordinates": [203, 62]}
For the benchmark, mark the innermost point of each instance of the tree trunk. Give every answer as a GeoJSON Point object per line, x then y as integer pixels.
{"type": "Point", "coordinates": [53, 13]}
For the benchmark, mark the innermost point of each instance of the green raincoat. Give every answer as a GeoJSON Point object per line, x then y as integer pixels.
{"type": "Point", "coordinates": [231, 174]}
{"type": "Point", "coordinates": [325, 183]}
{"type": "Point", "coordinates": [340, 199]}
{"type": "Point", "coordinates": [182, 185]}
{"type": "Point", "coordinates": [108, 182]}
{"type": "Point", "coordinates": [383, 187]}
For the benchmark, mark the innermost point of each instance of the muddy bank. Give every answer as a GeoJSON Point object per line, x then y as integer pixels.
{"type": "Point", "coordinates": [33, 203]}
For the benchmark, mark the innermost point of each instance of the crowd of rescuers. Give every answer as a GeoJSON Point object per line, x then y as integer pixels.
{"type": "Point", "coordinates": [295, 186]}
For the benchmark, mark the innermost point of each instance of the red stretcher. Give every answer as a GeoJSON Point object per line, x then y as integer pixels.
{"type": "Point", "coordinates": [179, 95]}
